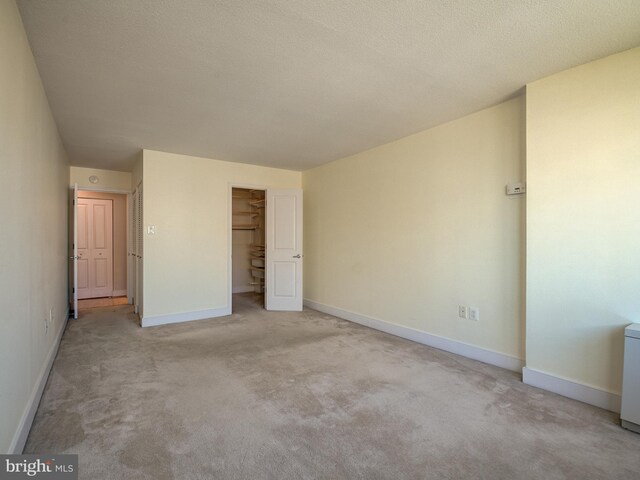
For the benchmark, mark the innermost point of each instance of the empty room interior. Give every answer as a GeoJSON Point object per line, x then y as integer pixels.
{"type": "Point", "coordinates": [355, 239]}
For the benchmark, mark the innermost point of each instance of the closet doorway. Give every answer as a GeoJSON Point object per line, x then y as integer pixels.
{"type": "Point", "coordinates": [248, 243]}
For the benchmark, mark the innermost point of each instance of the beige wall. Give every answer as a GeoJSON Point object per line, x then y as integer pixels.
{"type": "Point", "coordinates": [119, 236]}
{"type": "Point", "coordinates": [187, 199]}
{"type": "Point", "coordinates": [107, 179]}
{"type": "Point", "coordinates": [33, 228]}
{"type": "Point", "coordinates": [583, 219]}
{"type": "Point", "coordinates": [408, 231]}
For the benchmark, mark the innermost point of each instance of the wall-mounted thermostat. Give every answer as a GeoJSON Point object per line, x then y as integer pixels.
{"type": "Point", "coordinates": [516, 188]}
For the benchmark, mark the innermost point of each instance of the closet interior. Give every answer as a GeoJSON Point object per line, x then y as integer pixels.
{"type": "Point", "coordinates": [248, 231]}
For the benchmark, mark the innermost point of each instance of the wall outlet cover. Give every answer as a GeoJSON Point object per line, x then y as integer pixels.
{"type": "Point", "coordinates": [462, 311]}
{"type": "Point", "coordinates": [474, 313]}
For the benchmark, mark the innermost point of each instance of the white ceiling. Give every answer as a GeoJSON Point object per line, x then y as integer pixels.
{"type": "Point", "coordinates": [296, 83]}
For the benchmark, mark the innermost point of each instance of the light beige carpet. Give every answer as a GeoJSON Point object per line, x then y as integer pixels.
{"type": "Point", "coordinates": [264, 395]}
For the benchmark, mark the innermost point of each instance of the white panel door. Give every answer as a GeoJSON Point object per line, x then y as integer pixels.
{"type": "Point", "coordinates": [134, 248]}
{"type": "Point", "coordinates": [82, 248]}
{"type": "Point", "coordinates": [73, 250]}
{"type": "Point", "coordinates": [130, 251]}
{"type": "Point", "coordinates": [137, 249]}
{"type": "Point", "coordinates": [284, 250]}
{"type": "Point", "coordinates": [95, 248]}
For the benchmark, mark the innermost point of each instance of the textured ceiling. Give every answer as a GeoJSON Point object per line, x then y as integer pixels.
{"type": "Point", "coordinates": [296, 83]}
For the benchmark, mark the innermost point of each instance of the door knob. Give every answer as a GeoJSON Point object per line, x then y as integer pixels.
{"type": "Point", "coordinates": [74, 258]}
{"type": "Point", "coordinates": [298, 256]}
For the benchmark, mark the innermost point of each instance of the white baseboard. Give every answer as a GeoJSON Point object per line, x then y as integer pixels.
{"type": "Point", "coordinates": [245, 289]}
{"type": "Point", "coordinates": [22, 432]}
{"type": "Point", "coordinates": [454, 346]}
{"type": "Point", "coordinates": [567, 388]}
{"type": "Point", "coordinates": [119, 293]}
{"type": "Point", "coordinates": [155, 320]}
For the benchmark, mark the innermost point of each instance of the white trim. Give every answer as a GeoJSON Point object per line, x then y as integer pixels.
{"type": "Point", "coordinates": [119, 293]}
{"type": "Point", "coordinates": [103, 190]}
{"type": "Point", "coordinates": [22, 432]}
{"type": "Point", "coordinates": [155, 320]}
{"type": "Point", "coordinates": [454, 346]}
{"type": "Point", "coordinates": [567, 388]}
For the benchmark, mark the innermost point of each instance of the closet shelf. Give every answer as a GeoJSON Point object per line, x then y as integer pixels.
{"type": "Point", "coordinates": [244, 227]}
{"type": "Point", "coordinates": [253, 214]}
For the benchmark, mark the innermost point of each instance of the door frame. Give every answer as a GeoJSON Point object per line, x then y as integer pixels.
{"type": "Point", "coordinates": [128, 221]}
{"type": "Point", "coordinates": [230, 187]}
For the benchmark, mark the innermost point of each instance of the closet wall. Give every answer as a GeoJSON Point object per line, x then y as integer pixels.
{"type": "Point", "coordinates": [248, 240]}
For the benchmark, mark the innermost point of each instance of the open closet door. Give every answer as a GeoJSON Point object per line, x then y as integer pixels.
{"type": "Point", "coordinates": [284, 250]}
{"type": "Point", "coordinates": [130, 262]}
{"type": "Point", "coordinates": [73, 270]}
{"type": "Point", "coordinates": [137, 250]}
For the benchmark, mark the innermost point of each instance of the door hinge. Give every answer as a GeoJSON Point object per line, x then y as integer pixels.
{"type": "Point", "coordinates": [73, 290]}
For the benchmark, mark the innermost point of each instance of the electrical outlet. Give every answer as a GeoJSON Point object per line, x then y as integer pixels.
{"type": "Point", "coordinates": [474, 314]}
{"type": "Point", "coordinates": [462, 311]}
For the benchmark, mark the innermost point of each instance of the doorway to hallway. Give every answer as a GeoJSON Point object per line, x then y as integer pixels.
{"type": "Point", "coordinates": [101, 246]}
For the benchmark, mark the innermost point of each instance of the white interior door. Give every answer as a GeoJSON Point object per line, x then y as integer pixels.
{"type": "Point", "coordinates": [83, 289]}
{"type": "Point", "coordinates": [137, 249]}
{"type": "Point", "coordinates": [75, 251]}
{"type": "Point", "coordinates": [139, 275]}
{"type": "Point", "coordinates": [73, 271]}
{"type": "Point", "coordinates": [284, 250]}
{"type": "Point", "coordinates": [134, 248]}
{"type": "Point", "coordinates": [130, 262]}
{"type": "Point", "coordinates": [95, 248]}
